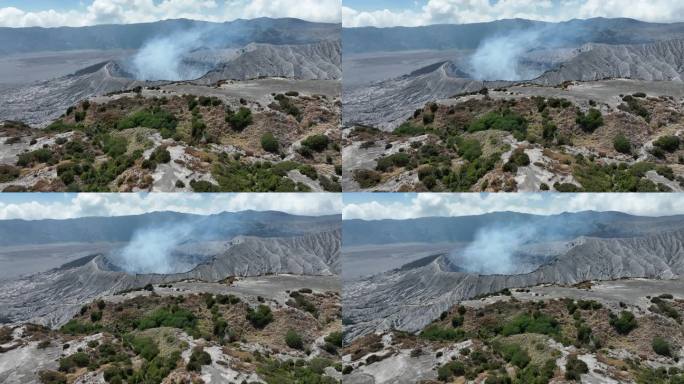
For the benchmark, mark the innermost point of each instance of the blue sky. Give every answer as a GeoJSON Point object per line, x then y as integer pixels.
{"type": "Point", "coordinates": [32, 206]}
{"type": "Point", "coordinates": [41, 5]}
{"type": "Point", "coordinates": [373, 206]}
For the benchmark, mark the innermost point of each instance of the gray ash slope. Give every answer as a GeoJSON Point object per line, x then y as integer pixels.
{"type": "Point", "coordinates": [309, 246]}
{"type": "Point", "coordinates": [265, 48]}
{"type": "Point", "coordinates": [388, 103]}
{"type": "Point", "coordinates": [659, 61]}
{"type": "Point", "coordinates": [318, 61]}
{"type": "Point", "coordinates": [410, 298]}
{"type": "Point", "coordinates": [597, 49]}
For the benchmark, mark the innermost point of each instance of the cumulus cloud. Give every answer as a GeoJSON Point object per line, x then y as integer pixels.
{"type": "Point", "coordinates": [101, 204]}
{"type": "Point", "coordinates": [138, 11]}
{"type": "Point", "coordinates": [473, 11]}
{"type": "Point", "coordinates": [434, 204]}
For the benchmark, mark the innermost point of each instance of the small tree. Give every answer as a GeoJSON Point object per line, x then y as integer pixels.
{"type": "Point", "coordinates": [240, 120]}
{"type": "Point", "coordinates": [623, 324]}
{"type": "Point", "coordinates": [198, 358]}
{"type": "Point", "coordinates": [574, 368]}
{"type": "Point", "coordinates": [269, 143]}
{"type": "Point", "coordinates": [293, 340]}
{"type": "Point", "coordinates": [661, 346]}
{"type": "Point", "coordinates": [590, 121]}
{"type": "Point", "coordinates": [260, 317]}
{"type": "Point", "coordinates": [316, 142]}
{"type": "Point", "coordinates": [622, 144]}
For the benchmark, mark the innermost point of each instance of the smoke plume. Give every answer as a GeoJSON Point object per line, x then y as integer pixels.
{"type": "Point", "coordinates": [151, 249]}
{"type": "Point", "coordinates": [164, 57]}
{"type": "Point", "coordinates": [499, 58]}
{"type": "Point", "coordinates": [493, 249]}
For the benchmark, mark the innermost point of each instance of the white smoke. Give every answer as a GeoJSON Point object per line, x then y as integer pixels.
{"type": "Point", "coordinates": [493, 249]}
{"type": "Point", "coordinates": [162, 58]}
{"type": "Point", "coordinates": [499, 58]}
{"type": "Point", "coordinates": [151, 249]}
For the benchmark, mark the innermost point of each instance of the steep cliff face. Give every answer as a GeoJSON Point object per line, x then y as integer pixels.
{"type": "Point", "coordinates": [318, 61]}
{"type": "Point", "coordinates": [410, 299]}
{"type": "Point", "coordinates": [314, 254]}
{"type": "Point", "coordinates": [659, 61]}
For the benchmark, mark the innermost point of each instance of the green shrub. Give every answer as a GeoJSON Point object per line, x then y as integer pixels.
{"type": "Point", "coordinates": [451, 369]}
{"type": "Point", "coordinates": [468, 174]}
{"type": "Point", "coordinates": [574, 368]}
{"type": "Point", "coordinates": [8, 173]}
{"type": "Point", "coordinates": [367, 178]}
{"type": "Point", "coordinates": [661, 346]}
{"type": "Point", "coordinates": [203, 186]}
{"type": "Point", "coordinates": [198, 358]}
{"type": "Point", "coordinates": [589, 121]}
{"type": "Point", "coordinates": [514, 354]}
{"type": "Point", "coordinates": [408, 129]}
{"type": "Point", "coordinates": [399, 159]}
{"type": "Point", "coordinates": [623, 324]}
{"type": "Point", "coordinates": [506, 120]}
{"type": "Point", "coordinates": [52, 377]}
{"type": "Point", "coordinates": [316, 143]}
{"type": "Point", "coordinates": [286, 105]}
{"type": "Point", "coordinates": [534, 374]}
{"type": "Point", "coordinates": [42, 155]}
{"type": "Point", "coordinates": [75, 327]}
{"type": "Point", "coordinates": [428, 118]}
{"type": "Point", "coordinates": [154, 118]}
{"type": "Point", "coordinates": [520, 158]}
{"type": "Point", "coordinates": [435, 332]}
{"type": "Point", "coordinates": [293, 340]}
{"type": "Point", "coordinates": [173, 317]}
{"type": "Point", "coordinates": [622, 144]}
{"type": "Point", "coordinates": [665, 308]}
{"type": "Point", "coordinates": [77, 360]}
{"type": "Point", "coordinates": [667, 143]}
{"type": "Point", "coordinates": [156, 370]}
{"type": "Point", "coordinates": [536, 323]}
{"type": "Point", "coordinates": [665, 171]}
{"type": "Point", "coordinates": [160, 155]}
{"type": "Point", "coordinates": [457, 321]}
{"type": "Point", "coordinates": [240, 120]}
{"type": "Point", "coordinates": [114, 146]}
{"type": "Point", "coordinates": [469, 149]}
{"type": "Point", "coordinates": [145, 347]}
{"type": "Point", "coordinates": [260, 317]}
{"type": "Point", "coordinates": [269, 143]}
{"type": "Point", "coordinates": [95, 316]}
{"type": "Point", "coordinates": [335, 338]}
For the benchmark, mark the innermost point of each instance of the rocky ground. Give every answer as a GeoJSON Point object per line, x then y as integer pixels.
{"type": "Point", "coordinates": [269, 330]}
{"type": "Point", "coordinates": [600, 136]}
{"type": "Point", "coordinates": [259, 135]}
{"type": "Point", "coordinates": [626, 331]}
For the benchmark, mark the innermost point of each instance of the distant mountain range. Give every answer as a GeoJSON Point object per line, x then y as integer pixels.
{"type": "Point", "coordinates": [464, 228]}
{"type": "Point", "coordinates": [231, 34]}
{"type": "Point", "coordinates": [121, 228]}
{"type": "Point", "coordinates": [469, 36]}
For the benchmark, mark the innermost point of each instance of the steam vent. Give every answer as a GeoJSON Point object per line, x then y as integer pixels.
{"type": "Point", "coordinates": [341, 192]}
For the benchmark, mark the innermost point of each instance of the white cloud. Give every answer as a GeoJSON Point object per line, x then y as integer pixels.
{"type": "Point", "coordinates": [472, 11]}
{"type": "Point", "coordinates": [433, 204]}
{"type": "Point", "coordinates": [115, 204]}
{"type": "Point", "coordinates": [137, 11]}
